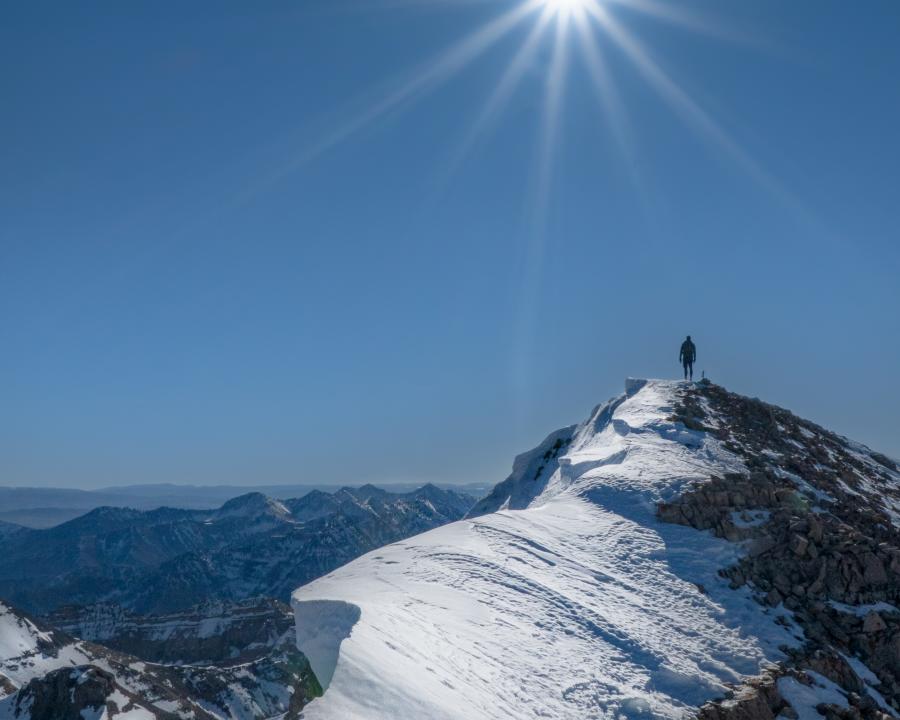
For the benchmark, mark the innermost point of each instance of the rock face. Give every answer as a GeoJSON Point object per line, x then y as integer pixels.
{"type": "Point", "coordinates": [169, 560]}
{"type": "Point", "coordinates": [48, 674]}
{"type": "Point", "coordinates": [818, 516]}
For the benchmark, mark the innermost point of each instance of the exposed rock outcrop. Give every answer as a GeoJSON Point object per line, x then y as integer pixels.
{"type": "Point", "coordinates": [818, 517]}
{"type": "Point", "coordinates": [81, 693]}
{"type": "Point", "coordinates": [212, 633]}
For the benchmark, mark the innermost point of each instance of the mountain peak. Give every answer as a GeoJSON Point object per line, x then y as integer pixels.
{"type": "Point", "coordinates": [565, 575]}
{"type": "Point", "coordinates": [369, 490]}
{"type": "Point", "coordinates": [250, 504]}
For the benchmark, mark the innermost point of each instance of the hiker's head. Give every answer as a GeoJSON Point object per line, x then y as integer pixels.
{"type": "Point", "coordinates": [689, 337]}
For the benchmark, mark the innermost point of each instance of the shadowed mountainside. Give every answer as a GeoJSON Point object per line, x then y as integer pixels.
{"type": "Point", "coordinates": [171, 559]}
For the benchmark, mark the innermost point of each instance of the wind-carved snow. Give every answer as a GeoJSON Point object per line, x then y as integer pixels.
{"type": "Point", "coordinates": [580, 605]}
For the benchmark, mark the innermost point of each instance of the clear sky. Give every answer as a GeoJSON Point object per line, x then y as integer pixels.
{"type": "Point", "coordinates": [397, 240]}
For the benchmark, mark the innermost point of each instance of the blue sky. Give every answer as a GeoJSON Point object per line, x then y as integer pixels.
{"type": "Point", "coordinates": [233, 251]}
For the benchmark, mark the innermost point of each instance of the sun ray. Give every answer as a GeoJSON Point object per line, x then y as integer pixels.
{"type": "Point", "coordinates": [436, 72]}
{"type": "Point", "coordinates": [608, 94]}
{"type": "Point", "coordinates": [694, 116]}
{"type": "Point", "coordinates": [501, 95]}
{"type": "Point", "coordinates": [431, 76]}
{"type": "Point", "coordinates": [669, 13]}
{"type": "Point", "coordinates": [531, 276]}
{"type": "Point", "coordinates": [554, 87]}
{"type": "Point", "coordinates": [368, 5]}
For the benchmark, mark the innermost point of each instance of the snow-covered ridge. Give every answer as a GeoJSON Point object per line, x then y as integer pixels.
{"type": "Point", "coordinates": [561, 597]}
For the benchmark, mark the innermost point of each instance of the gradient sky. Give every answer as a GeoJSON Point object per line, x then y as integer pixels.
{"type": "Point", "coordinates": [233, 251]}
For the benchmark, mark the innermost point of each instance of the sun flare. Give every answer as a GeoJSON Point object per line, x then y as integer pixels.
{"type": "Point", "coordinates": [560, 34]}
{"type": "Point", "coordinates": [566, 6]}
{"type": "Point", "coordinates": [595, 39]}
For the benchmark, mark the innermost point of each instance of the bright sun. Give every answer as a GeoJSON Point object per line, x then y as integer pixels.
{"type": "Point", "coordinates": [566, 6]}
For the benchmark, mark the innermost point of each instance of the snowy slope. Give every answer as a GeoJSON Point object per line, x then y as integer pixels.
{"type": "Point", "coordinates": [581, 604]}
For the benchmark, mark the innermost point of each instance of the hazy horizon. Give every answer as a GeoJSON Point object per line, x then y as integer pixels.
{"type": "Point", "coordinates": [184, 486]}
{"type": "Point", "coordinates": [337, 482]}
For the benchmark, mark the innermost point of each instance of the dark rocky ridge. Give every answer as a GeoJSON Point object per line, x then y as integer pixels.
{"type": "Point", "coordinates": [81, 692]}
{"type": "Point", "coordinates": [818, 516]}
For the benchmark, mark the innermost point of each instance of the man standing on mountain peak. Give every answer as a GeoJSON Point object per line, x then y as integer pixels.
{"type": "Point", "coordinates": [687, 357]}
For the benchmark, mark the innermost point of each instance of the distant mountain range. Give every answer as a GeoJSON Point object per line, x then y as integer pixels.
{"type": "Point", "coordinates": [47, 507]}
{"type": "Point", "coordinates": [167, 559]}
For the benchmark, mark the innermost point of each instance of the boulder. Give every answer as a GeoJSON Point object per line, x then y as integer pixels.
{"type": "Point", "coordinates": [873, 570]}
{"type": "Point", "coordinates": [798, 545]}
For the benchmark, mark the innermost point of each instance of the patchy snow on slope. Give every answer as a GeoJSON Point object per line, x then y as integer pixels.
{"type": "Point", "coordinates": [580, 605]}
{"type": "Point", "coordinates": [22, 650]}
{"type": "Point", "coordinates": [805, 698]}
{"type": "Point", "coordinates": [871, 681]}
{"type": "Point", "coordinates": [863, 610]}
{"type": "Point", "coordinates": [750, 518]}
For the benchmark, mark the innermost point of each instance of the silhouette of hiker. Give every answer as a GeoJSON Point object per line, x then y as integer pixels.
{"type": "Point", "coordinates": [687, 356]}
